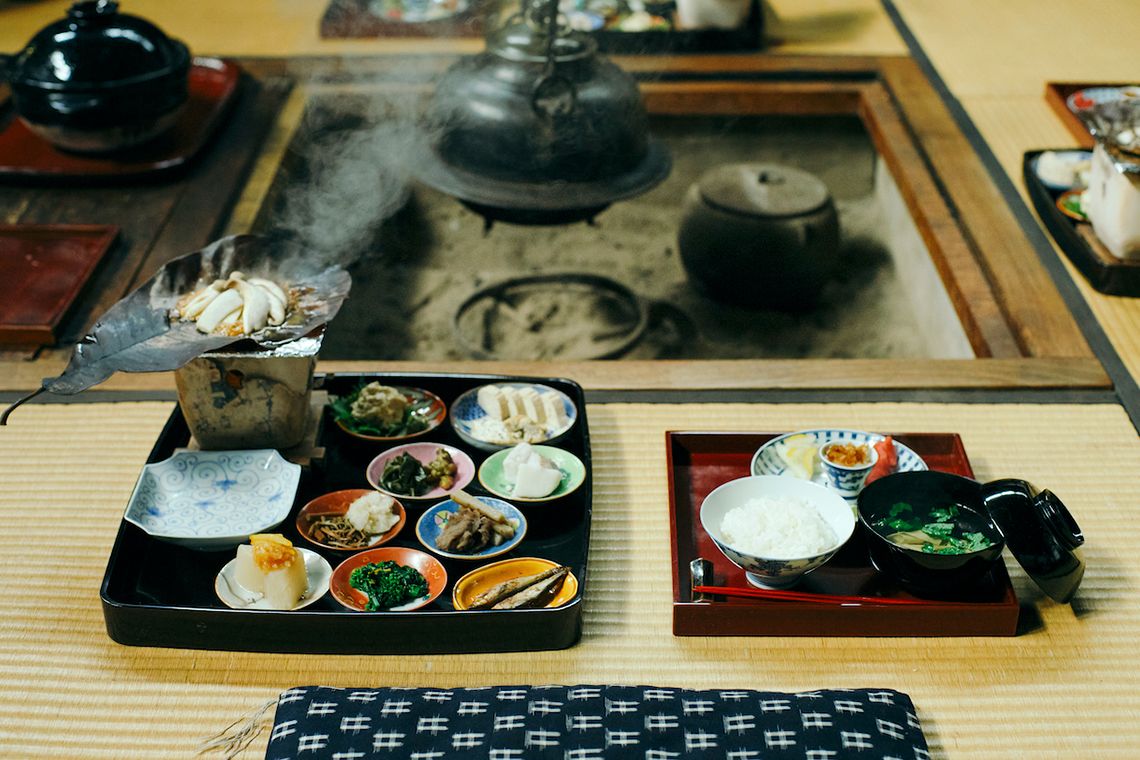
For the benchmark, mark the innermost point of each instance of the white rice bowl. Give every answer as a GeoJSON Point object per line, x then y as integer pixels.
{"type": "Point", "coordinates": [776, 527]}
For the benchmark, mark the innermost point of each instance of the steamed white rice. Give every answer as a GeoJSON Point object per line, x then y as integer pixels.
{"type": "Point", "coordinates": [780, 527]}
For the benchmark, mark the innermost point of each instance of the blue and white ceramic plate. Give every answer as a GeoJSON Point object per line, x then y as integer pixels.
{"type": "Point", "coordinates": [477, 429]}
{"type": "Point", "coordinates": [773, 457]}
{"type": "Point", "coordinates": [434, 520]}
{"type": "Point", "coordinates": [238, 597]}
{"type": "Point", "coordinates": [213, 500]}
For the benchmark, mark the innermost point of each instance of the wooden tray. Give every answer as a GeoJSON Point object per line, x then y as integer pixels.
{"type": "Point", "coordinates": [355, 19]}
{"type": "Point", "coordinates": [159, 594]}
{"type": "Point", "coordinates": [213, 84]}
{"type": "Point", "coordinates": [1056, 93]}
{"type": "Point", "coordinates": [699, 462]}
{"type": "Point", "coordinates": [1077, 240]}
{"type": "Point", "coordinates": [43, 268]}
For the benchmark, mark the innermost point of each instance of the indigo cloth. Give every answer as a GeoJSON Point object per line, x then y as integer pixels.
{"type": "Point", "coordinates": [594, 723]}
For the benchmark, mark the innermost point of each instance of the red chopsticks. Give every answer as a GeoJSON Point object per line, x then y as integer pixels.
{"type": "Point", "coordinates": [800, 596]}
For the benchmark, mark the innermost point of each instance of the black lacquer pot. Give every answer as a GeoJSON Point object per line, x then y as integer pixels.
{"type": "Point", "coordinates": [98, 80]}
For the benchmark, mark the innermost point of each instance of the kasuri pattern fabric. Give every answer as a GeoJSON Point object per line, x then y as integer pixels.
{"type": "Point", "coordinates": [594, 723]}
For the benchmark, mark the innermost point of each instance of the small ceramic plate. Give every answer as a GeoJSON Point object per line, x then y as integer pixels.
{"type": "Point", "coordinates": [484, 578]}
{"type": "Point", "coordinates": [492, 477]}
{"type": "Point", "coordinates": [428, 407]}
{"type": "Point", "coordinates": [1069, 203]}
{"type": "Point", "coordinates": [428, 566]}
{"type": "Point", "coordinates": [1069, 159]}
{"type": "Point", "coordinates": [424, 453]}
{"type": "Point", "coordinates": [483, 432]}
{"type": "Point", "coordinates": [213, 500]}
{"type": "Point", "coordinates": [767, 460]}
{"type": "Point", "coordinates": [337, 503]}
{"type": "Point", "coordinates": [236, 596]}
{"type": "Point", "coordinates": [434, 521]}
{"type": "Point", "coordinates": [1090, 97]}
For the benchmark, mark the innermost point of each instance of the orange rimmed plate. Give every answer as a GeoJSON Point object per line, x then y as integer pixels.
{"type": "Point", "coordinates": [484, 578]}
{"type": "Point", "coordinates": [429, 567]}
{"type": "Point", "coordinates": [337, 503]}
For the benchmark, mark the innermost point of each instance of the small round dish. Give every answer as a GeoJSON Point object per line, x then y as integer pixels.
{"type": "Point", "coordinates": [773, 457]}
{"type": "Point", "coordinates": [786, 568]}
{"type": "Point", "coordinates": [423, 452]}
{"type": "Point", "coordinates": [482, 579]}
{"type": "Point", "coordinates": [476, 428]}
{"type": "Point", "coordinates": [1091, 97]}
{"type": "Point", "coordinates": [492, 477]}
{"type": "Point", "coordinates": [435, 520]}
{"type": "Point", "coordinates": [427, 565]}
{"type": "Point", "coordinates": [846, 478]}
{"type": "Point", "coordinates": [1070, 204]}
{"type": "Point", "coordinates": [213, 500]}
{"type": "Point", "coordinates": [337, 503]}
{"type": "Point", "coordinates": [424, 405]}
{"type": "Point", "coordinates": [234, 595]}
{"type": "Point", "coordinates": [1061, 170]}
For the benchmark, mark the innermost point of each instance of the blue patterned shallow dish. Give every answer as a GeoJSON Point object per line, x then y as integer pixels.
{"type": "Point", "coordinates": [475, 428]}
{"type": "Point", "coordinates": [767, 459]}
{"type": "Point", "coordinates": [213, 500]}
{"type": "Point", "coordinates": [434, 520]}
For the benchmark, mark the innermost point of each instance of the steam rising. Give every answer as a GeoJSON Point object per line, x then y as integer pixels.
{"type": "Point", "coordinates": [357, 169]}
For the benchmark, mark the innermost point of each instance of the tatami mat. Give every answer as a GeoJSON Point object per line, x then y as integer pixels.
{"type": "Point", "coordinates": [1065, 688]}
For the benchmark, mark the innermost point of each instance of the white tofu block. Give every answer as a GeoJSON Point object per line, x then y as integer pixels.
{"type": "Point", "coordinates": [512, 397]}
{"type": "Point", "coordinates": [492, 401]}
{"type": "Point", "coordinates": [535, 481]}
{"type": "Point", "coordinates": [555, 412]}
{"type": "Point", "coordinates": [519, 455]}
{"type": "Point", "coordinates": [532, 405]}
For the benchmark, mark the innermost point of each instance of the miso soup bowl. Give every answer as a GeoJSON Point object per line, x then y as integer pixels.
{"type": "Point", "coordinates": [923, 573]}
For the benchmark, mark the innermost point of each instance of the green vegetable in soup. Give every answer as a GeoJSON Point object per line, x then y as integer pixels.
{"type": "Point", "coordinates": [944, 530]}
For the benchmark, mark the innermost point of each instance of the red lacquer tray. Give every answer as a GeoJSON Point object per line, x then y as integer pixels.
{"type": "Point", "coordinates": [43, 268]}
{"type": "Point", "coordinates": [213, 84]}
{"type": "Point", "coordinates": [699, 462]}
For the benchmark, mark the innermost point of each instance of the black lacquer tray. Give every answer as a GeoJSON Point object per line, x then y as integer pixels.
{"type": "Point", "coordinates": [158, 594]}
{"type": "Point", "coordinates": [1105, 272]}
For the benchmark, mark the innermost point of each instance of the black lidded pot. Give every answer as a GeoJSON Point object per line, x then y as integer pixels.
{"type": "Point", "coordinates": [98, 80]}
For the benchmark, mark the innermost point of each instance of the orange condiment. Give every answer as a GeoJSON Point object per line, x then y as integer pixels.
{"type": "Point", "coordinates": [847, 454]}
{"type": "Point", "coordinates": [272, 551]}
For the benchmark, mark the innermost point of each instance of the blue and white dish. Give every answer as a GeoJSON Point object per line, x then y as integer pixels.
{"type": "Point", "coordinates": [434, 520]}
{"type": "Point", "coordinates": [768, 460]}
{"type": "Point", "coordinates": [213, 500]}
{"type": "Point", "coordinates": [476, 428]}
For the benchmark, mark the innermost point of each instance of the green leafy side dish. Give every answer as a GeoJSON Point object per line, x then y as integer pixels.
{"type": "Point", "coordinates": [944, 530]}
{"type": "Point", "coordinates": [413, 420]}
{"type": "Point", "coordinates": [388, 584]}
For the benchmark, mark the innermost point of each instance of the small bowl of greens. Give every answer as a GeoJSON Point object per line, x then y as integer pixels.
{"type": "Point", "coordinates": [388, 579]}
{"type": "Point", "coordinates": [930, 531]}
{"type": "Point", "coordinates": [385, 413]}
{"type": "Point", "coordinates": [421, 471]}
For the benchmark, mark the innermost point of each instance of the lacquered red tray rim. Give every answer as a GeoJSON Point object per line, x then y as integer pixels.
{"type": "Point", "coordinates": [703, 618]}
{"type": "Point", "coordinates": [35, 334]}
{"type": "Point", "coordinates": [227, 74]}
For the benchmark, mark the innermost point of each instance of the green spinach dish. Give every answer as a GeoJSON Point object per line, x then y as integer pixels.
{"type": "Point", "coordinates": [381, 410]}
{"type": "Point", "coordinates": [953, 529]}
{"type": "Point", "coordinates": [388, 584]}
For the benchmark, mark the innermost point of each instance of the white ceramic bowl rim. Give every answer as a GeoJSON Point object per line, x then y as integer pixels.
{"type": "Point", "coordinates": [836, 512]}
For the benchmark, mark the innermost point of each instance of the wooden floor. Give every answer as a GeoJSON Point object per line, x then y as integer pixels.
{"type": "Point", "coordinates": [995, 58]}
